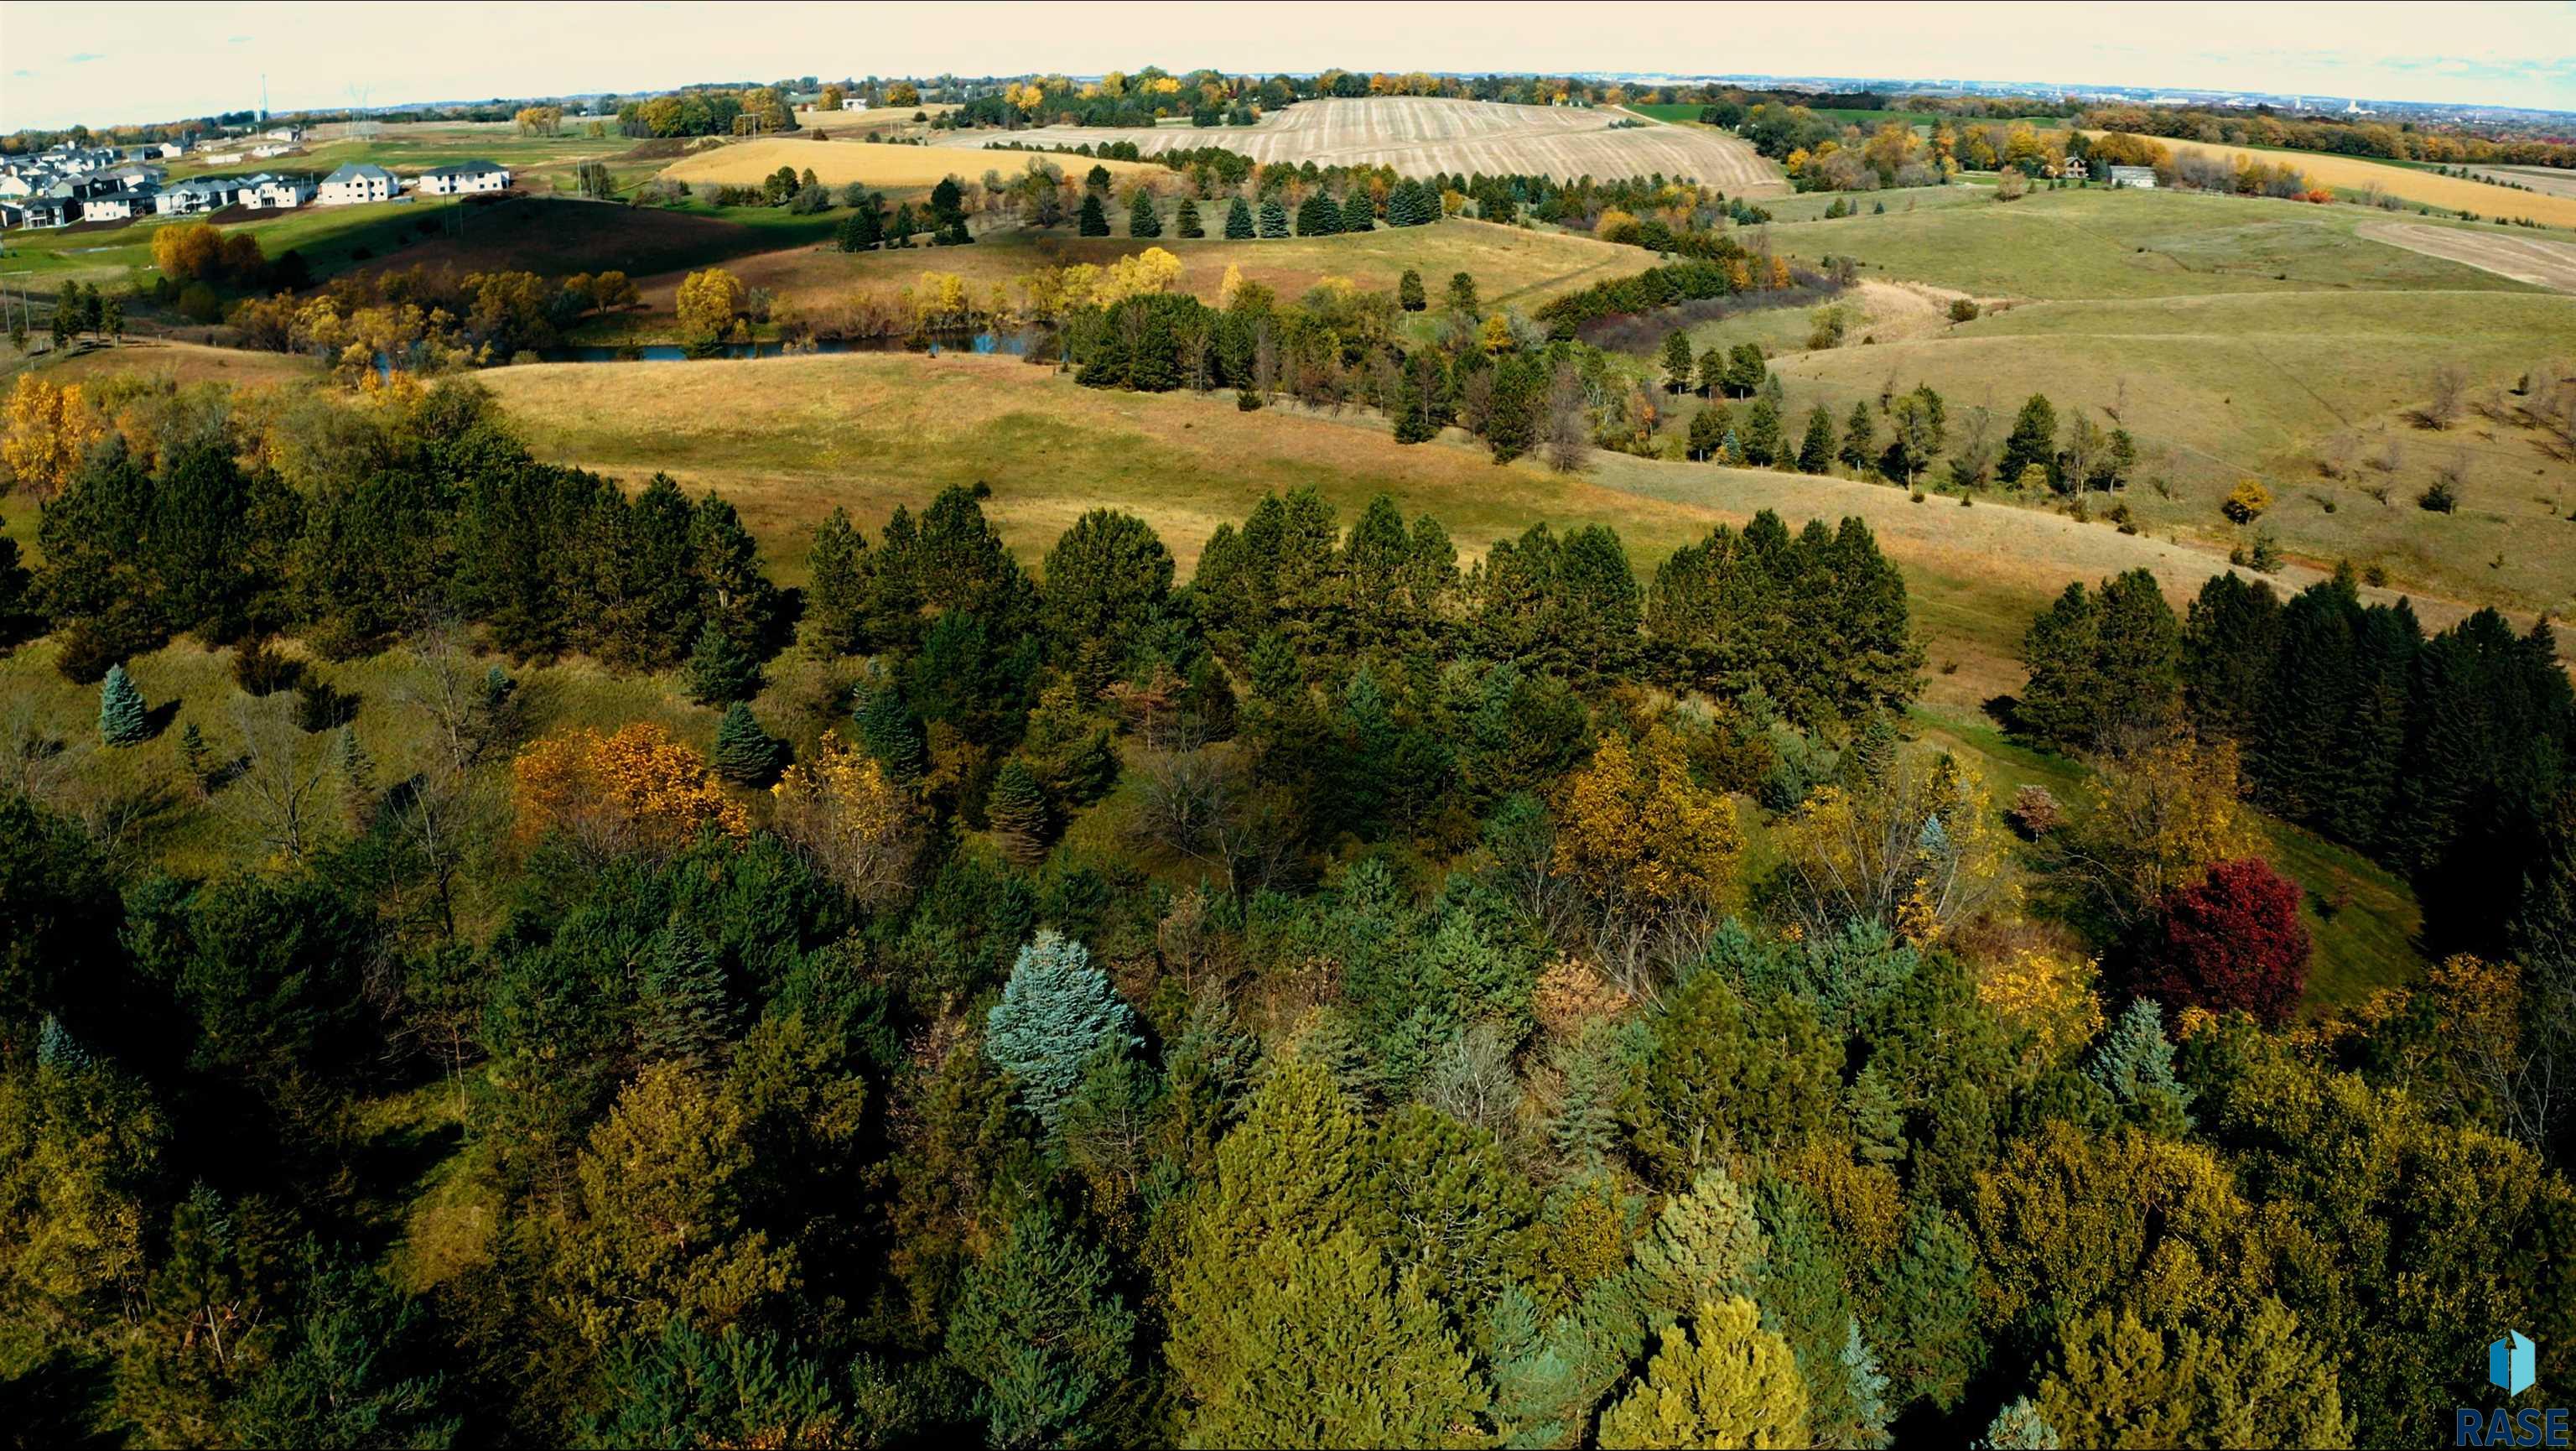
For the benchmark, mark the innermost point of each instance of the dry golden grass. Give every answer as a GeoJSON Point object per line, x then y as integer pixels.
{"type": "Point", "coordinates": [2520, 256]}
{"type": "Point", "coordinates": [787, 439]}
{"type": "Point", "coordinates": [2430, 188]}
{"type": "Point", "coordinates": [155, 357]}
{"type": "Point", "coordinates": [838, 163]}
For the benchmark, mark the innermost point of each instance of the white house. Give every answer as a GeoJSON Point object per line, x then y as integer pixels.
{"type": "Point", "coordinates": [16, 184]}
{"type": "Point", "coordinates": [358, 182]}
{"type": "Point", "coordinates": [265, 190]}
{"type": "Point", "coordinates": [221, 158]}
{"type": "Point", "coordinates": [117, 206]}
{"type": "Point", "coordinates": [854, 103]}
{"type": "Point", "coordinates": [201, 194]}
{"type": "Point", "coordinates": [286, 133]}
{"type": "Point", "coordinates": [272, 148]}
{"type": "Point", "coordinates": [464, 178]}
{"type": "Point", "coordinates": [2141, 177]}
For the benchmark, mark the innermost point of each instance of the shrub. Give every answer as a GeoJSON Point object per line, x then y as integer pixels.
{"type": "Point", "coordinates": [2441, 498]}
{"type": "Point", "coordinates": [2035, 812]}
{"type": "Point", "coordinates": [2228, 942]}
{"type": "Point", "coordinates": [2246, 502]}
{"type": "Point", "coordinates": [1963, 309]}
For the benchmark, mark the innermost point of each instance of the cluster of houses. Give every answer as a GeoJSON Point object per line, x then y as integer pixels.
{"type": "Point", "coordinates": [68, 183]}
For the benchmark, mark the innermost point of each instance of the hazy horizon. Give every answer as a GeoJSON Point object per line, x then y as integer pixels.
{"type": "Point", "coordinates": [105, 66]}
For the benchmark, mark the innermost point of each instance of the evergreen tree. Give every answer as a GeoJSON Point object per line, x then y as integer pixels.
{"type": "Point", "coordinates": [1925, 1312]}
{"type": "Point", "coordinates": [688, 1015]}
{"type": "Point", "coordinates": [1408, 290]}
{"type": "Point", "coordinates": [719, 670]}
{"type": "Point", "coordinates": [900, 232]}
{"type": "Point", "coordinates": [2134, 1064]}
{"type": "Point", "coordinates": [836, 588]}
{"type": "Point", "coordinates": [1816, 448]}
{"type": "Point", "coordinates": [1870, 1413]}
{"type": "Point", "coordinates": [1708, 430]}
{"type": "Point", "coordinates": [1878, 1117]}
{"type": "Point", "coordinates": [1020, 813]}
{"type": "Point", "coordinates": [1860, 439]}
{"type": "Point", "coordinates": [122, 720]}
{"type": "Point", "coordinates": [1274, 217]}
{"type": "Point", "coordinates": [1462, 295]}
{"type": "Point", "coordinates": [1805, 1297]}
{"type": "Point", "coordinates": [1760, 441]}
{"type": "Point", "coordinates": [1677, 362]}
{"type": "Point", "coordinates": [1056, 1012]}
{"type": "Point", "coordinates": [2020, 1427]}
{"type": "Point", "coordinates": [1318, 216]}
{"type": "Point", "coordinates": [1144, 219]}
{"type": "Point", "coordinates": [1357, 214]}
{"type": "Point", "coordinates": [1094, 221]}
{"type": "Point", "coordinates": [1707, 1245]}
{"type": "Point", "coordinates": [1238, 221]}
{"type": "Point", "coordinates": [1043, 1333]}
{"type": "Point", "coordinates": [195, 754]}
{"type": "Point", "coordinates": [888, 731]}
{"type": "Point", "coordinates": [2033, 440]}
{"type": "Point", "coordinates": [1186, 223]}
{"type": "Point", "coordinates": [745, 754]}
{"type": "Point", "coordinates": [1722, 1381]}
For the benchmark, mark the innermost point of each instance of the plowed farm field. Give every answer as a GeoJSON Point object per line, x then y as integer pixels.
{"type": "Point", "coordinates": [1419, 136]}
{"type": "Point", "coordinates": [2535, 260]}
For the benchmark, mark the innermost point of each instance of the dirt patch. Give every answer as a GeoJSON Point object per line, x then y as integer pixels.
{"type": "Point", "coordinates": [2524, 259]}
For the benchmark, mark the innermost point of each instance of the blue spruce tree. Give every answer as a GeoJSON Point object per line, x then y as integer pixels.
{"type": "Point", "coordinates": [1056, 1011]}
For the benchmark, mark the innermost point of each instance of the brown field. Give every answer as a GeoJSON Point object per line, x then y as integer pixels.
{"type": "Point", "coordinates": [838, 163]}
{"type": "Point", "coordinates": [874, 119]}
{"type": "Point", "coordinates": [1419, 136]}
{"type": "Point", "coordinates": [2429, 188]}
{"type": "Point", "coordinates": [156, 357]}
{"type": "Point", "coordinates": [2547, 180]}
{"type": "Point", "coordinates": [2523, 258]}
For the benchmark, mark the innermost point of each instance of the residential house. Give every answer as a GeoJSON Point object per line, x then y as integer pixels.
{"type": "Point", "coordinates": [199, 194]}
{"type": "Point", "coordinates": [52, 211]}
{"type": "Point", "coordinates": [358, 182]}
{"type": "Point", "coordinates": [221, 158]}
{"type": "Point", "coordinates": [272, 148]}
{"type": "Point", "coordinates": [117, 206]}
{"type": "Point", "coordinates": [2141, 177]}
{"type": "Point", "coordinates": [21, 183]}
{"type": "Point", "coordinates": [266, 190]}
{"type": "Point", "coordinates": [464, 178]}
{"type": "Point", "coordinates": [12, 214]}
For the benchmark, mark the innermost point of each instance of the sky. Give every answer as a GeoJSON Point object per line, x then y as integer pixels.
{"type": "Point", "coordinates": [104, 64]}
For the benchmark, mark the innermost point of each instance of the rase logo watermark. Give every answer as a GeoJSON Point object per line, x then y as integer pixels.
{"type": "Point", "coordinates": [2512, 1366]}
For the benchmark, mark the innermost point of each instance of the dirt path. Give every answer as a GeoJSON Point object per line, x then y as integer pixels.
{"type": "Point", "coordinates": [2524, 259]}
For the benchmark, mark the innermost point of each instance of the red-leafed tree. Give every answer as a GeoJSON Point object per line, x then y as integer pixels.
{"type": "Point", "coordinates": [2231, 940]}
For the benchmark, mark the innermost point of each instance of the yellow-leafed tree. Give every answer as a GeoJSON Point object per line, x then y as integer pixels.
{"type": "Point", "coordinates": [49, 430]}
{"type": "Point", "coordinates": [1641, 835]}
{"type": "Point", "coordinates": [1722, 1380]}
{"type": "Point", "coordinates": [708, 302]}
{"type": "Point", "coordinates": [858, 826]}
{"type": "Point", "coordinates": [639, 789]}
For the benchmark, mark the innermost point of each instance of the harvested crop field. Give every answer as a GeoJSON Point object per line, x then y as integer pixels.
{"type": "Point", "coordinates": [1419, 136]}
{"type": "Point", "coordinates": [2547, 180]}
{"type": "Point", "coordinates": [2525, 259]}
{"type": "Point", "coordinates": [838, 163]}
{"type": "Point", "coordinates": [2425, 188]}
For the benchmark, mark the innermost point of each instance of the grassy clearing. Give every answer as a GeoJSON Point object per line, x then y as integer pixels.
{"type": "Point", "coordinates": [1811, 206]}
{"type": "Point", "coordinates": [1512, 267]}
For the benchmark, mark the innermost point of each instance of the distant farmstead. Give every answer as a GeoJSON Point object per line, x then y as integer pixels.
{"type": "Point", "coordinates": [2141, 177]}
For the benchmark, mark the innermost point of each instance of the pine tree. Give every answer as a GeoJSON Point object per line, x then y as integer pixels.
{"type": "Point", "coordinates": [357, 771]}
{"type": "Point", "coordinates": [1144, 219]}
{"type": "Point", "coordinates": [1357, 214]}
{"type": "Point", "coordinates": [1095, 221]}
{"type": "Point", "coordinates": [745, 754]}
{"type": "Point", "coordinates": [1318, 216]}
{"type": "Point", "coordinates": [2033, 440]}
{"type": "Point", "coordinates": [719, 671]}
{"type": "Point", "coordinates": [1860, 439]}
{"type": "Point", "coordinates": [1870, 1413]}
{"type": "Point", "coordinates": [1761, 436]}
{"type": "Point", "coordinates": [1274, 217]}
{"type": "Point", "coordinates": [1185, 222]}
{"type": "Point", "coordinates": [1878, 1118]}
{"type": "Point", "coordinates": [1408, 291]}
{"type": "Point", "coordinates": [1677, 361]}
{"type": "Point", "coordinates": [122, 720]}
{"type": "Point", "coordinates": [1723, 1381]}
{"type": "Point", "coordinates": [835, 588]}
{"type": "Point", "coordinates": [1706, 1245]}
{"type": "Point", "coordinates": [1816, 449]}
{"type": "Point", "coordinates": [888, 731]}
{"type": "Point", "coordinates": [1056, 1012]}
{"type": "Point", "coordinates": [2134, 1064]}
{"type": "Point", "coordinates": [2020, 1427]}
{"type": "Point", "coordinates": [1926, 1310]}
{"type": "Point", "coordinates": [688, 1017]}
{"type": "Point", "coordinates": [1041, 1330]}
{"type": "Point", "coordinates": [1020, 813]}
{"type": "Point", "coordinates": [1238, 221]}
{"type": "Point", "coordinates": [194, 754]}
{"type": "Point", "coordinates": [1805, 1296]}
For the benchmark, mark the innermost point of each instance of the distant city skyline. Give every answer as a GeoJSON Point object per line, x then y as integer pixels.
{"type": "Point", "coordinates": [107, 65]}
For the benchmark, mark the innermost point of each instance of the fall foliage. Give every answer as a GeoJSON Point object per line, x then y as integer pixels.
{"type": "Point", "coordinates": [638, 789]}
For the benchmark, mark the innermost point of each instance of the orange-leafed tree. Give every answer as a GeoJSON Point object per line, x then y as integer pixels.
{"type": "Point", "coordinates": [638, 790]}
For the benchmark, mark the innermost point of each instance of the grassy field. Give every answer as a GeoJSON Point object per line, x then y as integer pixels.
{"type": "Point", "coordinates": [1811, 206]}
{"type": "Point", "coordinates": [1421, 135]}
{"type": "Point", "coordinates": [2413, 184]}
{"type": "Point", "coordinates": [838, 163]}
{"type": "Point", "coordinates": [1513, 267]}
